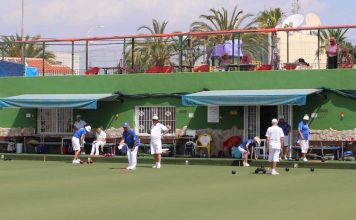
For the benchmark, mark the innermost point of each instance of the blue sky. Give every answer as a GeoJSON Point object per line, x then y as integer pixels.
{"type": "Point", "coordinates": [73, 18]}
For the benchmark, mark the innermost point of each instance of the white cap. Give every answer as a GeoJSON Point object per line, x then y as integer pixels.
{"type": "Point", "coordinates": [274, 121]}
{"type": "Point", "coordinates": [155, 117]}
{"type": "Point", "coordinates": [257, 140]}
{"type": "Point", "coordinates": [306, 117]}
{"type": "Point", "coordinates": [78, 116]}
{"type": "Point", "coordinates": [281, 117]}
{"type": "Point", "coordinates": [88, 128]}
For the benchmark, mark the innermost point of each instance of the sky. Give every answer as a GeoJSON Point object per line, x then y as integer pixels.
{"type": "Point", "coordinates": [82, 18]}
{"type": "Point", "coordinates": [75, 18]}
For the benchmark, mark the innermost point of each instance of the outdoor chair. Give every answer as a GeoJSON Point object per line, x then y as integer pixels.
{"type": "Point", "coordinates": [261, 150]}
{"type": "Point", "coordinates": [203, 142]}
{"type": "Point", "coordinates": [265, 67]}
{"type": "Point", "coordinates": [233, 141]}
{"type": "Point", "coordinates": [202, 68]}
{"type": "Point", "coordinates": [92, 71]}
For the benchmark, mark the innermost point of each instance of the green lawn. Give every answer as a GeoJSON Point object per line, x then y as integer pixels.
{"type": "Point", "coordinates": [59, 190]}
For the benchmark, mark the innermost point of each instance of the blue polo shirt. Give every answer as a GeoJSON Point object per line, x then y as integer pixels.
{"type": "Point", "coordinates": [80, 132]}
{"type": "Point", "coordinates": [130, 137]}
{"type": "Point", "coordinates": [304, 129]}
{"type": "Point", "coordinates": [248, 143]}
{"type": "Point", "coordinates": [285, 128]}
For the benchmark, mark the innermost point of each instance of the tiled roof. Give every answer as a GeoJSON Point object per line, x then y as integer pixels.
{"type": "Point", "coordinates": [49, 69]}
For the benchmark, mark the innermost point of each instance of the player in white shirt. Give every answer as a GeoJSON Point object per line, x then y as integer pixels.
{"type": "Point", "coordinates": [100, 141]}
{"type": "Point", "coordinates": [275, 138]}
{"type": "Point", "coordinates": [79, 123]}
{"type": "Point", "coordinates": [158, 130]}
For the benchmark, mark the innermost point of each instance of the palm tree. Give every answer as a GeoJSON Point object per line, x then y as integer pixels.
{"type": "Point", "coordinates": [339, 35]}
{"type": "Point", "coordinates": [270, 19]}
{"type": "Point", "coordinates": [152, 50]}
{"type": "Point", "coordinates": [219, 19]}
{"type": "Point", "coordinates": [11, 48]}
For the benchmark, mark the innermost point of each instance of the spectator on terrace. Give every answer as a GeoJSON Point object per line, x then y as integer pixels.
{"type": "Point", "coordinates": [246, 59]}
{"type": "Point", "coordinates": [346, 60]}
{"type": "Point", "coordinates": [301, 64]}
{"type": "Point", "coordinates": [224, 60]}
{"type": "Point", "coordinates": [332, 52]}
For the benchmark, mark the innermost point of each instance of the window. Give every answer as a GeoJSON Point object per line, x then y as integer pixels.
{"type": "Point", "coordinates": [57, 120]}
{"type": "Point", "coordinates": [144, 114]}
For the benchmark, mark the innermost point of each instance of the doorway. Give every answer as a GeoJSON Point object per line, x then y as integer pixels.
{"type": "Point", "coordinates": [258, 118]}
{"type": "Point", "coordinates": [267, 113]}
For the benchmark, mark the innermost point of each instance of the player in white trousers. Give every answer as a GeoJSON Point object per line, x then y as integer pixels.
{"type": "Point", "coordinates": [132, 142]}
{"type": "Point", "coordinates": [274, 142]}
{"type": "Point", "coordinates": [99, 142]}
{"type": "Point", "coordinates": [78, 142]}
{"type": "Point", "coordinates": [158, 131]}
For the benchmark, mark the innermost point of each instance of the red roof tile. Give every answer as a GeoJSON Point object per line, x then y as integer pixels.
{"type": "Point", "coordinates": [49, 69]}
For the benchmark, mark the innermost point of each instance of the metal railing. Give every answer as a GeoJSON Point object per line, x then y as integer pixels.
{"type": "Point", "coordinates": [280, 48]}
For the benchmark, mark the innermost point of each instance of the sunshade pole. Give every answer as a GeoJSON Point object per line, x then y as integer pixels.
{"type": "Point", "coordinates": [43, 57]}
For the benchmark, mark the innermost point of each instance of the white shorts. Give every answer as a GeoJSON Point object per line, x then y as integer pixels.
{"type": "Point", "coordinates": [75, 143]}
{"type": "Point", "coordinates": [156, 148]}
{"type": "Point", "coordinates": [273, 155]}
{"type": "Point", "coordinates": [286, 141]}
{"type": "Point", "coordinates": [242, 151]}
{"type": "Point", "coordinates": [304, 146]}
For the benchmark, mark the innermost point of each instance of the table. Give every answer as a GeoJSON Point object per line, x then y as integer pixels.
{"type": "Point", "coordinates": [113, 70]}
{"type": "Point", "coordinates": [180, 68]}
{"type": "Point", "coordinates": [328, 145]}
{"type": "Point", "coordinates": [240, 67]}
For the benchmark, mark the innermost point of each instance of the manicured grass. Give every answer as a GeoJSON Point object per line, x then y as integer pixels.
{"type": "Point", "coordinates": [58, 190]}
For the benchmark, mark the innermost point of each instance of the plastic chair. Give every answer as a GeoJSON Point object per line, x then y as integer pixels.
{"type": "Point", "coordinates": [153, 69]}
{"type": "Point", "coordinates": [265, 67]}
{"type": "Point", "coordinates": [290, 66]}
{"type": "Point", "coordinates": [202, 68]}
{"type": "Point", "coordinates": [92, 71]}
{"type": "Point", "coordinates": [203, 141]}
{"type": "Point", "coordinates": [261, 149]}
{"type": "Point", "coordinates": [229, 143]}
{"type": "Point", "coordinates": [166, 69]}
{"type": "Point", "coordinates": [189, 146]}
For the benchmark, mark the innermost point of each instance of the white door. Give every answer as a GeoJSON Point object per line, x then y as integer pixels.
{"type": "Point", "coordinates": [251, 121]}
{"type": "Point", "coordinates": [287, 112]}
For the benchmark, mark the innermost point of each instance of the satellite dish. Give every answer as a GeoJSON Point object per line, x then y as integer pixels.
{"type": "Point", "coordinates": [295, 20]}
{"type": "Point", "coordinates": [312, 20]}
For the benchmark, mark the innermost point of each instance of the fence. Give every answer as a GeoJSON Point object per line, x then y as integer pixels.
{"type": "Point", "coordinates": [276, 49]}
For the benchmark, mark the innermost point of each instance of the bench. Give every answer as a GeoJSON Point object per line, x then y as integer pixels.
{"type": "Point", "coordinates": [146, 148]}
{"type": "Point", "coordinates": [322, 149]}
{"type": "Point", "coordinates": [167, 143]}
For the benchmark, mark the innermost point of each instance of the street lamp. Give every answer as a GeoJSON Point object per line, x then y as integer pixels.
{"type": "Point", "coordinates": [22, 33]}
{"type": "Point", "coordinates": [87, 45]}
{"type": "Point", "coordinates": [92, 28]}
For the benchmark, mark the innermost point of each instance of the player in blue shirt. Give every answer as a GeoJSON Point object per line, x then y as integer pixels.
{"type": "Point", "coordinates": [245, 148]}
{"type": "Point", "coordinates": [78, 141]}
{"type": "Point", "coordinates": [303, 137]}
{"type": "Point", "coordinates": [286, 130]}
{"type": "Point", "coordinates": [132, 141]}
